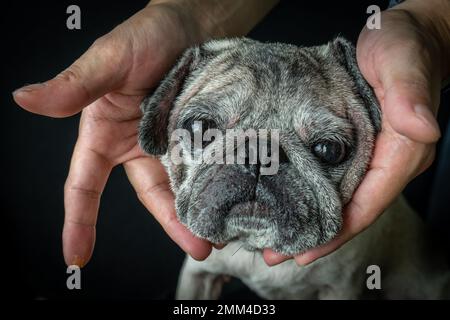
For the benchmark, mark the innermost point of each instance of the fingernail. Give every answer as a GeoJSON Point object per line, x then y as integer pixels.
{"type": "Point", "coordinates": [219, 246]}
{"type": "Point", "coordinates": [427, 117]}
{"type": "Point", "coordinates": [30, 88]}
{"type": "Point", "coordinates": [77, 261]}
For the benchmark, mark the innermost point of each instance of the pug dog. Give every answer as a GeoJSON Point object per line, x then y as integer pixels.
{"type": "Point", "coordinates": [326, 119]}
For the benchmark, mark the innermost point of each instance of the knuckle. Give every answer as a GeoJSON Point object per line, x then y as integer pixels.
{"type": "Point", "coordinates": [153, 194]}
{"type": "Point", "coordinates": [100, 42]}
{"type": "Point", "coordinates": [170, 220]}
{"type": "Point", "coordinates": [70, 189]}
{"type": "Point", "coordinates": [111, 48]}
{"type": "Point", "coordinates": [71, 74]}
{"type": "Point", "coordinates": [154, 190]}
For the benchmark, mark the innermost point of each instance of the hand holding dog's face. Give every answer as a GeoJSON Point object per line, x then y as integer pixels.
{"type": "Point", "coordinates": [326, 116]}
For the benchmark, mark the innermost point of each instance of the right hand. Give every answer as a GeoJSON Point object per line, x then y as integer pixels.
{"type": "Point", "coordinates": [107, 83]}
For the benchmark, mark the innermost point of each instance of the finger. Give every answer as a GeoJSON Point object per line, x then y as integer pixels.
{"type": "Point", "coordinates": [150, 180]}
{"type": "Point", "coordinates": [98, 71]}
{"type": "Point", "coordinates": [411, 96]}
{"type": "Point", "coordinates": [87, 177]}
{"type": "Point", "coordinates": [273, 258]}
{"type": "Point", "coordinates": [219, 246]}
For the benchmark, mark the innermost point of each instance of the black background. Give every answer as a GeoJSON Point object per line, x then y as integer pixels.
{"type": "Point", "coordinates": [133, 257]}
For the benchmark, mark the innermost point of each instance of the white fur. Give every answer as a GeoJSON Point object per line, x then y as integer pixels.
{"type": "Point", "coordinates": [396, 243]}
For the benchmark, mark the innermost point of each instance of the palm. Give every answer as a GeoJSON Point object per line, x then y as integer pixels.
{"type": "Point", "coordinates": [109, 129]}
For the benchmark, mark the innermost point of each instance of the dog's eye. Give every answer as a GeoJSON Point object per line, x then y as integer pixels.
{"type": "Point", "coordinates": [331, 152]}
{"type": "Point", "coordinates": [198, 127]}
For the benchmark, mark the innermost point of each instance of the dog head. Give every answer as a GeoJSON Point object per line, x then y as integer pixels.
{"type": "Point", "coordinates": [325, 117]}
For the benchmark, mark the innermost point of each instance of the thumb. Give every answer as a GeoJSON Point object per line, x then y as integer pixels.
{"type": "Point", "coordinates": [101, 69]}
{"type": "Point", "coordinates": [411, 99]}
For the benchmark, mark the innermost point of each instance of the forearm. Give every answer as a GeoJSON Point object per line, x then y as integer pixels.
{"type": "Point", "coordinates": [221, 18]}
{"type": "Point", "coordinates": [434, 16]}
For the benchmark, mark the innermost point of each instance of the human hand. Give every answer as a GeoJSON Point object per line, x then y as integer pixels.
{"type": "Point", "coordinates": [110, 80]}
{"type": "Point", "coordinates": [405, 63]}
{"type": "Point", "coordinates": [107, 83]}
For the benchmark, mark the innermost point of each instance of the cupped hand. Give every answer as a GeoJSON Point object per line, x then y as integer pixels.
{"type": "Point", "coordinates": [401, 61]}
{"type": "Point", "coordinates": [107, 83]}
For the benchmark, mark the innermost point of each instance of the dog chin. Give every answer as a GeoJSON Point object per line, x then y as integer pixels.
{"type": "Point", "coordinates": [248, 222]}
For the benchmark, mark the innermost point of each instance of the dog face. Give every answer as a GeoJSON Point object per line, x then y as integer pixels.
{"type": "Point", "coordinates": [326, 117]}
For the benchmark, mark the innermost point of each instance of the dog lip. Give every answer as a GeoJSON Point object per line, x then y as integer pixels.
{"type": "Point", "coordinates": [246, 217]}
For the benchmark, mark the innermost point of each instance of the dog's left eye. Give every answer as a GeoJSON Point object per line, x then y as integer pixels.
{"type": "Point", "coordinates": [331, 152]}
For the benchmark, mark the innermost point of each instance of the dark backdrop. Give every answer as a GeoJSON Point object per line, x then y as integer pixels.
{"type": "Point", "coordinates": [133, 257]}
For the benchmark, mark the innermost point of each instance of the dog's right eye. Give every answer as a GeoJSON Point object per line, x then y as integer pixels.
{"type": "Point", "coordinates": [197, 127]}
{"type": "Point", "coordinates": [331, 152]}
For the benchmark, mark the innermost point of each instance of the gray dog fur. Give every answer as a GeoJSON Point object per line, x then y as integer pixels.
{"type": "Point", "coordinates": [310, 94]}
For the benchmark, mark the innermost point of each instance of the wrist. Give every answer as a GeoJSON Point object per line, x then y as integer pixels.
{"type": "Point", "coordinates": [178, 15]}
{"type": "Point", "coordinates": [211, 19]}
{"type": "Point", "coordinates": [434, 18]}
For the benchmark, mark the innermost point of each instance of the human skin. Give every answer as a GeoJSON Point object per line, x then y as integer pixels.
{"type": "Point", "coordinates": [404, 62]}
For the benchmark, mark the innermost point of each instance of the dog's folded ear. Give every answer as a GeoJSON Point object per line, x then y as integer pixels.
{"type": "Point", "coordinates": [156, 107]}
{"type": "Point", "coordinates": [366, 119]}
{"type": "Point", "coordinates": [346, 55]}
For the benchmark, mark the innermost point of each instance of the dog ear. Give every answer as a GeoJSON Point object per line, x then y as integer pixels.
{"type": "Point", "coordinates": [157, 106]}
{"type": "Point", "coordinates": [346, 54]}
{"type": "Point", "coordinates": [366, 121]}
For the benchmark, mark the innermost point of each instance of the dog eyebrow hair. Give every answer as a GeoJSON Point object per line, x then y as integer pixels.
{"type": "Point", "coordinates": [197, 112]}
{"type": "Point", "coordinates": [314, 126]}
{"type": "Point", "coordinates": [200, 110]}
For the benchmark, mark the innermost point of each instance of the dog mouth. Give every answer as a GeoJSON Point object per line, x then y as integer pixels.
{"type": "Point", "coordinates": [255, 225]}
{"type": "Point", "coordinates": [247, 217]}
{"type": "Point", "coordinates": [249, 222]}
{"type": "Point", "coordinates": [236, 205]}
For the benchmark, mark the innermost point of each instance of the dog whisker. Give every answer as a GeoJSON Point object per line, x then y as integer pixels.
{"type": "Point", "coordinates": [237, 250]}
